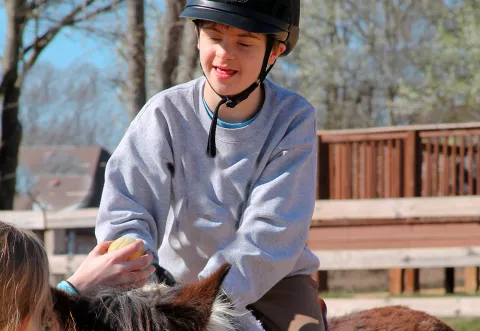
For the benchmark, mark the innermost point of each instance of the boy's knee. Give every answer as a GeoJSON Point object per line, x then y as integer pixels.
{"type": "Point", "coordinates": [306, 323]}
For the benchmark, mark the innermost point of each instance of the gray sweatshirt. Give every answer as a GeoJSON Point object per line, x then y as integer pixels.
{"type": "Point", "coordinates": [250, 206]}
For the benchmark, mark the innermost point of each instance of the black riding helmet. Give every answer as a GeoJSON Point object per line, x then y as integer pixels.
{"type": "Point", "coordinates": [278, 19]}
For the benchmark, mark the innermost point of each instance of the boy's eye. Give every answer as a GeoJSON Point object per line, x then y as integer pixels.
{"type": "Point", "coordinates": [244, 45]}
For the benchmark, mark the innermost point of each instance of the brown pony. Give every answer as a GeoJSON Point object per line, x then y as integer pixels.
{"type": "Point", "coordinates": [390, 318]}
{"type": "Point", "coordinates": [204, 307]}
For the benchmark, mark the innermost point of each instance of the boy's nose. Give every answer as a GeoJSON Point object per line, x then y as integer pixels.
{"type": "Point", "coordinates": [225, 51]}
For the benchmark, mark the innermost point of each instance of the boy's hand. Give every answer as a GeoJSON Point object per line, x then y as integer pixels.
{"type": "Point", "coordinates": [112, 269]}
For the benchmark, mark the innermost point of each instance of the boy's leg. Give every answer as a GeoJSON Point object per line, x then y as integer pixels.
{"type": "Point", "coordinates": [291, 305]}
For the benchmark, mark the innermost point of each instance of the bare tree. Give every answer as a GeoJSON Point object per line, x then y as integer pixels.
{"type": "Point", "coordinates": [136, 57]}
{"type": "Point", "coordinates": [168, 57]}
{"type": "Point", "coordinates": [89, 115]}
{"type": "Point", "coordinates": [189, 57]}
{"type": "Point", "coordinates": [353, 56]}
{"type": "Point", "coordinates": [20, 58]}
{"type": "Point", "coordinates": [10, 90]}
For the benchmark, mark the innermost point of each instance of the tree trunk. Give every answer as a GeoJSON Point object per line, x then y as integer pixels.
{"type": "Point", "coordinates": [172, 44]}
{"type": "Point", "coordinates": [10, 89]}
{"type": "Point", "coordinates": [187, 70]}
{"type": "Point", "coordinates": [332, 106]}
{"type": "Point", "coordinates": [136, 56]}
{"type": "Point", "coordinates": [392, 94]}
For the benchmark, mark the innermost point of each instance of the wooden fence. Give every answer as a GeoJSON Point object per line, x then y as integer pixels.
{"type": "Point", "coordinates": [411, 161]}
{"type": "Point", "coordinates": [398, 234]}
{"type": "Point", "coordinates": [345, 234]}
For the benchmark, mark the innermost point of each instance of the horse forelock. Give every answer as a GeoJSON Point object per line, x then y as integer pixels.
{"type": "Point", "coordinates": [189, 301]}
{"type": "Point", "coordinates": [207, 303]}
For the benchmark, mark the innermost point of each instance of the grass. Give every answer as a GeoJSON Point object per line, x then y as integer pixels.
{"type": "Point", "coordinates": [463, 323]}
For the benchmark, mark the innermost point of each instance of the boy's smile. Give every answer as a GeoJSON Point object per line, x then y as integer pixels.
{"type": "Point", "coordinates": [223, 72]}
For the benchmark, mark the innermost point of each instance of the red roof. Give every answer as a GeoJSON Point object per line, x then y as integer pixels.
{"type": "Point", "coordinates": [60, 177]}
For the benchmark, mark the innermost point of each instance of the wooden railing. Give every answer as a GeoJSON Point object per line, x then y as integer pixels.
{"type": "Point", "coordinates": [60, 232]}
{"type": "Point", "coordinates": [400, 234]}
{"type": "Point", "coordinates": [410, 161]}
{"type": "Point", "coordinates": [395, 233]}
{"type": "Point", "coordinates": [399, 162]}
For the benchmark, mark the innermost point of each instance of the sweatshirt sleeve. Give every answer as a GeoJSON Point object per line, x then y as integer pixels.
{"type": "Point", "coordinates": [136, 194]}
{"type": "Point", "coordinates": [276, 221]}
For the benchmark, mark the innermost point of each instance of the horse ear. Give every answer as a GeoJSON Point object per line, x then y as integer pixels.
{"type": "Point", "coordinates": [193, 304]}
{"type": "Point", "coordinates": [207, 290]}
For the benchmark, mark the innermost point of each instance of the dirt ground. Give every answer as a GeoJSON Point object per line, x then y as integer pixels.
{"type": "Point", "coordinates": [358, 281]}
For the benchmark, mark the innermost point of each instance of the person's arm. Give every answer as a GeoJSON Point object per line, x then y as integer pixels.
{"type": "Point", "coordinates": [112, 269]}
{"type": "Point", "coordinates": [276, 221]}
{"type": "Point", "coordinates": [136, 194]}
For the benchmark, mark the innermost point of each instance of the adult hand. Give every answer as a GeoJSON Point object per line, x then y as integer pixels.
{"type": "Point", "coordinates": [111, 269]}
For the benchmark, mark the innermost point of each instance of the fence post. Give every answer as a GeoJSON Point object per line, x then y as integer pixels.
{"type": "Point", "coordinates": [55, 243]}
{"type": "Point", "coordinates": [449, 280]}
{"type": "Point", "coordinates": [412, 188]}
{"type": "Point", "coordinates": [323, 192]}
{"type": "Point", "coordinates": [471, 279]}
{"type": "Point", "coordinates": [396, 281]}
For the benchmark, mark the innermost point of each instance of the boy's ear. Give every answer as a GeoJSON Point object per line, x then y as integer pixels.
{"type": "Point", "coordinates": [277, 50]}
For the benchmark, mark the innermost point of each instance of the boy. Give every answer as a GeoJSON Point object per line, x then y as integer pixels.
{"type": "Point", "coordinates": [249, 199]}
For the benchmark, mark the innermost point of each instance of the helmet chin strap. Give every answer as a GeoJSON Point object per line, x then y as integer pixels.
{"type": "Point", "coordinates": [232, 101]}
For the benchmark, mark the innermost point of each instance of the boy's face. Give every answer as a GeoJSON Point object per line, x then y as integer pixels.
{"type": "Point", "coordinates": [232, 58]}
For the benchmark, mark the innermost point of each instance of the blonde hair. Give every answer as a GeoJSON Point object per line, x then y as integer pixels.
{"type": "Point", "coordinates": [24, 280]}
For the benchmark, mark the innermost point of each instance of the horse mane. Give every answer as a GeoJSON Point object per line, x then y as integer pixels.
{"type": "Point", "coordinates": [157, 307]}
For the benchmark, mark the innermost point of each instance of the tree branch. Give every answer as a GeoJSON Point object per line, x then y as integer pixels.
{"type": "Point", "coordinates": [98, 11]}
{"type": "Point", "coordinates": [69, 20]}
{"type": "Point", "coordinates": [39, 44]}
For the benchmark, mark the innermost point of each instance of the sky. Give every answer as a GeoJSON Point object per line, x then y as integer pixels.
{"type": "Point", "coordinates": [68, 47]}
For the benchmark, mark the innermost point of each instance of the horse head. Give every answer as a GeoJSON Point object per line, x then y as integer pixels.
{"type": "Point", "coordinates": [200, 306]}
